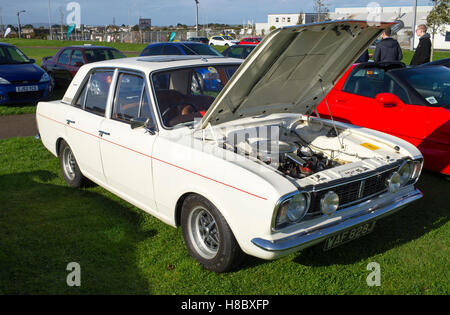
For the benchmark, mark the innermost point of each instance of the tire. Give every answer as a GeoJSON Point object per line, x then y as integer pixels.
{"type": "Point", "coordinates": [69, 167]}
{"type": "Point", "coordinates": [208, 237]}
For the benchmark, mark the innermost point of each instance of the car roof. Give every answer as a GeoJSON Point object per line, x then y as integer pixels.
{"type": "Point", "coordinates": [6, 44]}
{"type": "Point", "coordinates": [147, 65]}
{"type": "Point", "coordinates": [88, 47]}
{"type": "Point", "coordinates": [175, 43]}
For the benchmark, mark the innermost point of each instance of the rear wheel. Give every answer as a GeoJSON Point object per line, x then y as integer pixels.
{"type": "Point", "coordinates": [69, 167]}
{"type": "Point", "coordinates": [207, 235]}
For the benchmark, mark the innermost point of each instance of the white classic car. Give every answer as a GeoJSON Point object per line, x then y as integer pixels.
{"type": "Point", "coordinates": [232, 152]}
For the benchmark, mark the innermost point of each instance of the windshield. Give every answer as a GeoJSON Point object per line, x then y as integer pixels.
{"type": "Point", "coordinates": [228, 37]}
{"type": "Point", "coordinates": [186, 94]}
{"type": "Point", "coordinates": [93, 55]}
{"type": "Point", "coordinates": [12, 55]}
{"type": "Point", "coordinates": [200, 49]}
{"type": "Point", "coordinates": [432, 83]}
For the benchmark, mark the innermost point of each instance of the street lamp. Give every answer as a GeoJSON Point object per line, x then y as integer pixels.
{"type": "Point", "coordinates": [196, 18]}
{"type": "Point", "coordinates": [18, 21]}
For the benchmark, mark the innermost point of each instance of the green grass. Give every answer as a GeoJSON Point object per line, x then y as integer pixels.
{"type": "Point", "coordinates": [44, 225]}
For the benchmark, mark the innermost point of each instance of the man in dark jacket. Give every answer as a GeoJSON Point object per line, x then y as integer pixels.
{"type": "Point", "coordinates": [388, 49]}
{"type": "Point", "coordinates": [423, 51]}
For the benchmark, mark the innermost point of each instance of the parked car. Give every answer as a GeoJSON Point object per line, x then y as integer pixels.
{"type": "Point", "coordinates": [179, 48]}
{"type": "Point", "coordinates": [250, 41]}
{"type": "Point", "coordinates": [441, 62]}
{"type": "Point", "coordinates": [63, 66]}
{"type": "Point", "coordinates": [410, 103]}
{"type": "Point", "coordinates": [203, 40]}
{"type": "Point", "coordinates": [21, 81]}
{"type": "Point", "coordinates": [238, 51]}
{"type": "Point", "coordinates": [223, 41]}
{"type": "Point", "coordinates": [246, 169]}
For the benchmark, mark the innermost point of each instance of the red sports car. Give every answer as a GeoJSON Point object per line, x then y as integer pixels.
{"type": "Point", "coordinates": [410, 103]}
{"type": "Point", "coordinates": [250, 41]}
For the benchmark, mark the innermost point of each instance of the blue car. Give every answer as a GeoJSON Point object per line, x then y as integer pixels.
{"type": "Point", "coordinates": [206, 80]}
{"type": "Point", "coordinates": [21, 81]}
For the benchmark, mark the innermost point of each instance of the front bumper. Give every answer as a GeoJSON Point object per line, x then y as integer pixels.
{"type": "Point", "coordinates": [284, 246]}
{"type": "Point", "coordinates": [9, 96]}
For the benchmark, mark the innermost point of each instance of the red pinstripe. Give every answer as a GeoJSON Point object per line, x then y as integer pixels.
{"type": "Point", "coordinates": [154, 158]}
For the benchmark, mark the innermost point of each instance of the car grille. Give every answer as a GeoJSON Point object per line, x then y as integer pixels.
{"type": "Point", "coordinates": [353, 192]}
{"type": "Point", "coordinates": [19, 82]}
{"type": "Point", "coordinates": [21, 96]}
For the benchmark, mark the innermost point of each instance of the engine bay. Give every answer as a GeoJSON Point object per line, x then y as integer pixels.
{"type": "Point", "coordinates": [300, 148]}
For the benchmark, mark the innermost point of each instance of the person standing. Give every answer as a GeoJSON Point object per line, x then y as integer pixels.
{"type": "Point", "coordinates": [423, 50]}
{"type": "Point", "coordinates": [388, 49]}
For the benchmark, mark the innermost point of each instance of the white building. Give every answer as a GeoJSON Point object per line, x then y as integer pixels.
{"type": "Point", "coordinates": [278, 20]}
{"type": "Point", "coordinates": [391, 14]}
{"type": "Point", "coordinates": [385, 14]}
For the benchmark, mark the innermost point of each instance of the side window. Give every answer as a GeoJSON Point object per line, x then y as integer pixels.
{"type": "Point", "coordinates": [128, 97]}
{"type": "Point", "coordinates": [77, 56]}
{"type": "Point", "coordinates": [365, 82]}
{"type": "Point", "coordinates": [64, 57]}
{"type": "Point", "coordinates": [171, 50]}
{"type": "Point", "coordinates": [152, 51]}
{"type": "Point", "coordinates": [236, 52]}
{"type": "Point", "coordinates": [373, 81]}
{"type": "Point", "coordinates": [394, 88]}
{"type": "Point", "coordinates": [97, 92]}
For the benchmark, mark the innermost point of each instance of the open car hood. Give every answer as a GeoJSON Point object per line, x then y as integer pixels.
{"type": "Point", "coordinates": [292, 70]}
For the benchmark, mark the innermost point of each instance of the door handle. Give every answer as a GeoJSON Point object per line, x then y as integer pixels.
{"type": "Point", "coordinates": [69, 121]}
{"type": "Point", "coordinates": [101, 133]}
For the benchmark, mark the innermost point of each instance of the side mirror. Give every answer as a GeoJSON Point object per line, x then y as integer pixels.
{"type": "Point", "coordinates": [78, 64]}
{"type": "Point", "coordinates": [388, 99]}
{"type": "Point", "coordinates": [143, 122]}
{"type": "Point", "coordinates": [32, 60]}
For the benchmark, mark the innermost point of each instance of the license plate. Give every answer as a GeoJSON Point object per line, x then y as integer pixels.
{"type": "Point", "coordinates": [29, 88]}
{"type": "Point", "coordinates": [349, 235]}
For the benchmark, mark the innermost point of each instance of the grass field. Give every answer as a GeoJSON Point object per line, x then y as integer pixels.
{"type": "Point", "coordinates": [44, 225]}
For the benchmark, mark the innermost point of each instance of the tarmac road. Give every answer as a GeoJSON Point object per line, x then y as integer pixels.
{"type": "Point", "coordinates": [18, 126]}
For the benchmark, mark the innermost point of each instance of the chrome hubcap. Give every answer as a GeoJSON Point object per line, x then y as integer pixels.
{"type": "Point", "coordinates": [69, 163]}
{"type": "Point", "coordinates": [203, 233]}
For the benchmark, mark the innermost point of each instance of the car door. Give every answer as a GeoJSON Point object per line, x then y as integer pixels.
{"type": "Point", "coordinates": [61, 68]}
{"type": "Point", "coordinates": [76, 61]}
{"type": "Point", "coordinates": [126, 152]}
{"type": "Point", "coordinates": [436, 146]}
{"type": "Point", "coordinates": [357, 104]}
{"type": "Point", "coordinates": [84, 121]}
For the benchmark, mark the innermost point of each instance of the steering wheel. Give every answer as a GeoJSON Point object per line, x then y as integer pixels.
{"type": "Point", "coordinates": [197, 83]}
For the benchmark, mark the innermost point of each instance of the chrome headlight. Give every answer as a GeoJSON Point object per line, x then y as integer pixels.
{"type": "Point", "coordinates": [405, 172]}
{"type": "Point", "coordinates": [329, 203]}
{"type": "Point", "coordinates": [45, 77]}
{"type": "Point", "coordinates": [394, 182]}
{"type": "Point", "coordinates": [291, 210]}
{"type": "Point", "coordinates": [4, 81]}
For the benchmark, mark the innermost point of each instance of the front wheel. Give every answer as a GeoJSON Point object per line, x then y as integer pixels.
{"type": "Point", "coordinates": [207, 235]}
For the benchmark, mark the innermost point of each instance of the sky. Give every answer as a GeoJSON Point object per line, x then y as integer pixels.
{"type": "Point", "coordinates": [170, 12]}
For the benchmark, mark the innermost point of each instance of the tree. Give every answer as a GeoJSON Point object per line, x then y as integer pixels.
{"type": "Point", "coordinates": [300, 18]}
{"type": "Point", "coordinates": [437, 20]}
{"type": "Point", "coordinates": [321, 8]}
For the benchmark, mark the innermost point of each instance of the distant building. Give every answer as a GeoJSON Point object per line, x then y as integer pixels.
{"type": "Point", "coordinates": [391, 14]}
{"type": "Point", "coordinates": [145, 24]}
{"type": "Point", "coordinates": [386, 14]}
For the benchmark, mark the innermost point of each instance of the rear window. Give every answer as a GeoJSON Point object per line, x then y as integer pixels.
{"type": "Point", "coordinates": [200, 49]}
{"type": "Point", "coordinates": [93, 55]}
